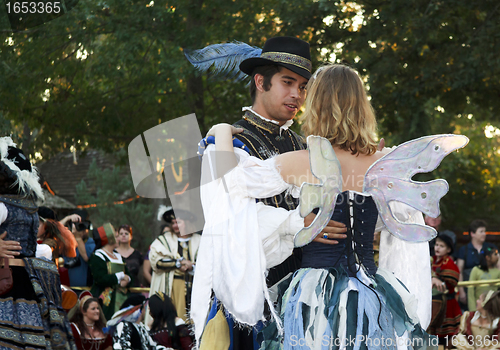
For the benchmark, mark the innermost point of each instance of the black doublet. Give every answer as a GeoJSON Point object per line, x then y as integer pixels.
{"type": "Point", "coordinates": [264, 140]}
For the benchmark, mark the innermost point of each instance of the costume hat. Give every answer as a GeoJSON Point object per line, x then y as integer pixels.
{"type": "Point", "coordinates": [167, 214]}
{"type": "Point", "coordinates": [289, 52]}
{"type": "Point", "coordinates": [86, 295]}
{"type": "Point", "coordinates": [16, 171]}
{"type": "Point", "coordinates": [447, 240]}
{"type": "Point", "coordinates": [106, 234]}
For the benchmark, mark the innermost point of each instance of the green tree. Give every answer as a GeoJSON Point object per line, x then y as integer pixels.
{"type": "Point", "coordinates": [111, 197]}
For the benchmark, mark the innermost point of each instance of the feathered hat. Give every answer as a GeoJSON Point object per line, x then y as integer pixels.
{"type": "Point", "coordinates": [168, 214]}
{"type": "Point", "coordinates": [16, 172]}
{"type": "Point", "coordinates": [236, 60]}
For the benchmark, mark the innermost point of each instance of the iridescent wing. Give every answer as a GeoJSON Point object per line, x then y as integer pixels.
{"type": "Point", "coordinates": [326, 167]}
{"type": "Point", "coordinates": [389, 179]}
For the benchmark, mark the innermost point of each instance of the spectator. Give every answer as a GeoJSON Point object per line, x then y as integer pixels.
{"type": "Point", "coordinates": [168, 329]}
{"type": "Point", "coordinates": [436, 224]}
{"type": "Point", "coordinates": [486, 270]}
{"type": "Point", "coordinates": [132, 257]}
{"type": "Point", "coordinates": [468, 255]}
{"type": "Point", "coordinates": [147, 271]}
{"type": "Point", "coordinates": [88, 325]}
{"type": "Point", "coordinates": [58, 238]}
{"type": "Point", "coordinates": [78, 268]}
{"type": "Point", "coordinates": [445, 309]}
{"type": "Point", "coordinates": [172, 257]}
{"type": "Point", "coordinates": [479, 329]}
{"type": "Point", "coordinates": [109, 272]}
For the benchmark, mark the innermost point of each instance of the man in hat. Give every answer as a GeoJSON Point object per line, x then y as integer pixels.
{"type": "Point", "coordinates": [172, 258]}
{"type": "Point", "coordinates": [278, 89]}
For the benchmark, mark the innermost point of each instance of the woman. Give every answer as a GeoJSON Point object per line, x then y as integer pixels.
{"type": "Point", "coordinates": [480, 329]}
{"type": "Point", "coordinates": [486, 270]}
{"type": "Point", "coordinates": [168, 329]}
{"type": "Point", "coordinates": [58, 238]}
{"type": "Point", "coordinates": [445, 273]}
{"type": "Point", "coordinates": [88, 325]}
{"type": "Point", "coordinates": [109, 272]}
{"type": "Point", "coordinates": [338, 293]}
{"type": "Point", "coordinates": [132, 257]}
{"type": "Point", "coordinates": [31, 315]}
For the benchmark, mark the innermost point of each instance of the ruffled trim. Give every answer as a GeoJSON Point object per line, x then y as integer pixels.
{"type": "Point", "coordinates": [319, 305]}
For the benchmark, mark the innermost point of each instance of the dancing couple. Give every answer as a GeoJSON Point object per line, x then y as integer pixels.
{"type": "Point", "coordinates": [325, 201]}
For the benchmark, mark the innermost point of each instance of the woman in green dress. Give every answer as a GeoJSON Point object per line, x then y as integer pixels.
{"type": "Point", "coordinates": [110, 273]}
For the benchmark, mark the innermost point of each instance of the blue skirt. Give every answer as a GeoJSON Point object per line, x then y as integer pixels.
{"type": "Point", "coordinates": [328, 310]}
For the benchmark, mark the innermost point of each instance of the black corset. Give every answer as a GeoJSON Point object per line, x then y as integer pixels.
{"type": "Point", "coordinates": [357, 247]}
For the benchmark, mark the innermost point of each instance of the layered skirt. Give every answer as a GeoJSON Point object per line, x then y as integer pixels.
{"type": "Point", "coordinates": [31, 315]}
{"type": "Point", "coordinates": [327, 309]}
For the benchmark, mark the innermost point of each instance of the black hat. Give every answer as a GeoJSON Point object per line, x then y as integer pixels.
{"type": "Point", "coordinates": [447, 240]}
{"type": "Point", "coordinates": [289, 52]}
{"type": "Point", "coordinates": [46, 213]}
{"type": "Point", "coordinates": [16, 172]}
{"type": "Point", "coordinates": [169, 215]}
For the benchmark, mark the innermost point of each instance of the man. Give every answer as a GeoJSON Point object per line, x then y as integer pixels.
{"type": "Point", "coordinates": [78, 268]}
{"type": "Point", "coordinates": [468, 256]}
{"type": "Point", "coordinates": [278, 90]}
{"type": "Point", "coordinates": [172, 257]}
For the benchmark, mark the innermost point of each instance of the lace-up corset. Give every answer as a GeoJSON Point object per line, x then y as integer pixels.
{"type": "Point", "coordinates": [359, 213]}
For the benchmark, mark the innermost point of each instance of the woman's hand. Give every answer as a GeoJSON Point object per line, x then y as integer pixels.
{"type": "Point", "coordinates": [8, 249]}
{"type": "Point", "coordinates": [125, 281]}
{"type": "Point", "coordinates": [223, 127]}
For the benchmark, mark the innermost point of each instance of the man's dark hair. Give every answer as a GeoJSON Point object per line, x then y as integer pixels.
{"type": "Point", "coordinates": [474, 225]}
{"type": "Point", "coordinates": [267, 72]}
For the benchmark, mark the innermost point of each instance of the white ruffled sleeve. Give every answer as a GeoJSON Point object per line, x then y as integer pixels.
{"type": "Point", "coordinates": [241, 238]}
{"type": "Point", "coordinates": [409, 261]}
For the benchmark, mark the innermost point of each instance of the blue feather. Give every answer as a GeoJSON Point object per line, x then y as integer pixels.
{"type": "Point", "coordinates": [224, 59]}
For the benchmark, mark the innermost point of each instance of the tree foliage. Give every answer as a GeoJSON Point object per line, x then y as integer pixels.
{"type": "Point", "coordinates": [112, 196]}
{"type": "Point", "coordinates": [107, 71]}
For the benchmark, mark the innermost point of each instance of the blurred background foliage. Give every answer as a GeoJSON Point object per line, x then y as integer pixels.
{"type": "Point", "coordinates": [105, 72]}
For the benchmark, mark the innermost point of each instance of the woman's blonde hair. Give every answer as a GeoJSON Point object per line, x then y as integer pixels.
{"type": "Point", "coordinates": [338, 109]}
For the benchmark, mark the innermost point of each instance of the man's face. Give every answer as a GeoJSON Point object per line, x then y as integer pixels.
{"type": "Point", "coordinates": [283, 100]}
{"type": "Point", "coordinates": [479, 235]}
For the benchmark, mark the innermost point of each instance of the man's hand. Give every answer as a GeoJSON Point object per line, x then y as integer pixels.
{"type": "Point", "coordinates": [334, 230]}
{"type": "Point", "coordinates": [8, 249]}
{"type": "Point", "coordinates": [186, 265]}
{"type": "Point", "coordinates": [76, 233]}
{"type": "Point", "coordinates": [71, 218]}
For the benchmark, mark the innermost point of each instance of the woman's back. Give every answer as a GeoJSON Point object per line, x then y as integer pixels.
{"type": "Point", "coordinates": [295, 167]}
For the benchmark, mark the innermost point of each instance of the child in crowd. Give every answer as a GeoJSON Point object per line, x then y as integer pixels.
{"type": "Point", "coordinates": [486, 270]}
{"type": "Point", "coordinates": [445, 309]}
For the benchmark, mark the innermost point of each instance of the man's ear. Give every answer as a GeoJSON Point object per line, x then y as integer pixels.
{"type": "Point", "coordinates": [259, 82]}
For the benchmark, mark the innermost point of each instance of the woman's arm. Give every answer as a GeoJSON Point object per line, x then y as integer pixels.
{"type": "Point", "coordinates": [225, 159]}
{"type": "Point", "coordinates": [100, 273]}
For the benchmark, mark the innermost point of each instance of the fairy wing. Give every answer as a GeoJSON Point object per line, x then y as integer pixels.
{"type": "Point", "coordinates": [326, 167]}
{"type": "Point", "coordinates": [389, 179]}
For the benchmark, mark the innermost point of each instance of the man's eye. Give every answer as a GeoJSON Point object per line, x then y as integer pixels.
{"type": "Point", "coordinates": [302, 88]}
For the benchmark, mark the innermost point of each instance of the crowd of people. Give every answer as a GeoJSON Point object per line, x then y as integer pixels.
{"type": "Point", "coordinates": [271, 269]}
